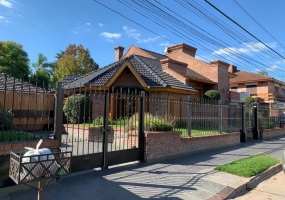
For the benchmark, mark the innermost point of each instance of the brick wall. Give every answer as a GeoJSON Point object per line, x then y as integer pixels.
{"type": "Point", "coordinates": [135, 50]}
{"type": "Point", "coordinates": [161, 145]}
{"type": "Point", "coordinates": [7, 147]}
{"type": "Point", "coordinates": [269, 133]}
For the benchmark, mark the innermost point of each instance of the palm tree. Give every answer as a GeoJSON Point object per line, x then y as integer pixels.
{"type": "Point", "coordinates": [42, 74]}
{"type": "Point", "coordinates": [42, 64]}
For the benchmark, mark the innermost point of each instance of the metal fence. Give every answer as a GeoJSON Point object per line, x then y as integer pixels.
{"type": "Point", "coordinates": [191, 117]}
{"type": "Point", "coordinates": [269, 117]}
{"type": "Point", "coordinates": [27, 112]}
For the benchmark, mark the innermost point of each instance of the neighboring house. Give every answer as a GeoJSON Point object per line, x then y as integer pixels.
{"type": "Point", "coordinates": [266, 89]}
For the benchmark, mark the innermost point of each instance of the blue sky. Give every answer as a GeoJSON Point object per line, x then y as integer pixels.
{"type": "Point", "coordinates": [48, 26]}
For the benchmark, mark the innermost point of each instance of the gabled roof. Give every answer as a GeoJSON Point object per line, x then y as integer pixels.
{"type": "Point", "coordinates": [9, 83]}
{"type": "Point", "coordinates": [149, 70]}
{"type": "Point", "coordinates": [245, 77]}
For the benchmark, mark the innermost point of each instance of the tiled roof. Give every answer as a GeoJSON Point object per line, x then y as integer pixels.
{"type": "Point", "coordinates": [196, 76]}
{"type": "Point", "coordinates": [155, 55]}
{"type": "Point", "coordinates": [8, 83]}
{"type": "Point", "coordinates": [150, 71]}
{"type": "Point", "coordinates": [243, 77]}
{"type": "Point", "coordinates": [69, 78]}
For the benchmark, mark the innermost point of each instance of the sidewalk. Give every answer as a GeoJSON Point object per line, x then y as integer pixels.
{"type": "Point", "coordinates": [189, 177]}
{"type": "Point", "coordinates": [273, 188]}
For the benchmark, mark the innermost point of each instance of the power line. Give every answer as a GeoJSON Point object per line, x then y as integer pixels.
{"type": "Point", "coordinates": [181, 29]}
{"type": "Point", "coordinates": [258, 23]}
{"type": "Point", "coordinates": [242, 28]}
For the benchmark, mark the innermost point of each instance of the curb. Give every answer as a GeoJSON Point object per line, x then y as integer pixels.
{"type": "Point", "coordinates": [253, 182]}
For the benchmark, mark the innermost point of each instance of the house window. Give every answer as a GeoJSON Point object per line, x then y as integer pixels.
{"type": "Point", "coordinates": [252, 89]}
{"type": "Point", "coordinates": [283, 92]}
{"type": "Point", "coordinates": [234, 88]}
{"type": "Point", "coordinates": [276, 90]}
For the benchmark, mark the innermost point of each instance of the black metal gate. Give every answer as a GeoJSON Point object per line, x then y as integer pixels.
{"type": "Point", "coordinates": [101, 128]}
{"type": "Point", "coordinates": [251, 121]}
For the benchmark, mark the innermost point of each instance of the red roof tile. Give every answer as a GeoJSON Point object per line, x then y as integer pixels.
{"type": "Point", "coordinates": [244, 77]}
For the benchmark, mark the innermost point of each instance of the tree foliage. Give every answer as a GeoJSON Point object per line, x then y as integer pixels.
{"type": "Point", "coordinates": [263, 72]}
{"type": "Point", "coordinates": [249, 100]}
{"type": "Point", "coordinates": [14, 60]}
{"type": "Point", "coordinates": [41, 78]}
{"type": "Point", "coordinates": [212, 94]}
{"type": "Point", "coordinates": [42, 75]}
{"type": "Point", "coordinates": [76, 108]}
{"type": "Point", "coordinates": [75, 60]}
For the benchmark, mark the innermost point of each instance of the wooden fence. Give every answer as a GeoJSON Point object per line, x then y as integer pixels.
{"type": "Point", "coordinates": [30, 111]}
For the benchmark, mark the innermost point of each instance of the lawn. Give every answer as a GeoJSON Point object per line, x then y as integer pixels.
{"type": "Point", "coordinates": [13, 135]}
{"type": "Point", "coordinates": [249, 166]}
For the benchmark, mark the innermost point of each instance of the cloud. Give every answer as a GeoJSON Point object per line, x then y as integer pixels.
{"type": "Point", "coordinates": [1, 17]}
{"type": "Point", "coordinates": [100, 24]}
{"type": "Point", "coordinates": [6, 3]}
{"type": "Point", "coordinates": [88, 24]}
{"type": "Point", "coordinates": [164, 44]}
{"type": "Point", "coordinates": [110, 36]}
{"type": "Point", "coordinates": [245, 49]}
{"type": "Point", "coordinates": [137, 36]}
{"type": "Point", "coordinates": [272, 68]}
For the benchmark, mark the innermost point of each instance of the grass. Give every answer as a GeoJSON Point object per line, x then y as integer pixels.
{"type": "Point", "coordinates": [249, 166]}
{"type": "Point", "coordinates": [13, 135]}
{"type": "Point", "coordinates": [196, 132]}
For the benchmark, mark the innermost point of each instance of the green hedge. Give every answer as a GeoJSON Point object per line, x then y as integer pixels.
{"type": "Point", "coordinates": [77, 108]}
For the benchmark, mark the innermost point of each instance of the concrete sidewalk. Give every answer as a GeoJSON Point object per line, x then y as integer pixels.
{"type": "Point", "coordinates": [273, 188]}
{"type": "Point", "coordinates": [189, 177]}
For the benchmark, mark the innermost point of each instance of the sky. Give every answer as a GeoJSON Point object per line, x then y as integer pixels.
{"type": "Point", "coordinates": [49, 26]}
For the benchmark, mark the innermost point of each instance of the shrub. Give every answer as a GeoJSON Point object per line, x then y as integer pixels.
{"type": "Point", "coordinates": [76, 108]}
{"type": "Point", "coordinates": [249, 99]}
{"type": "Point", "coordinates": [98, 121]}
{"type": "Point", "coordinates": [151, 123]}
{"type": "Point", "coordinates": [6, 120]}
{"type": "Point", "coordinates": [212, 94]}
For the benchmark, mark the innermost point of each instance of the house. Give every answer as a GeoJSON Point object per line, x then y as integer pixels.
{"type": "Point", "coordinates": [180, 62]}
{"type": "Point", "coordinates": [174, 76]}
{"type": "Point", "coordinates": [266, 89]}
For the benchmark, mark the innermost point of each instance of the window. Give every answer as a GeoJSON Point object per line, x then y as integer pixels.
{"type": "Point", "coordinates": [276, 90]}
{"type": "Point", "coordinates": [251, 88]}
{"type": "Point", "coordinates": [234, 88]}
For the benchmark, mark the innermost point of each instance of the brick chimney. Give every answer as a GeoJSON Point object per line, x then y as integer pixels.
{"type": "Point", "coordinates": [181, 48]}
{"type": "Point", "coordinates": [119, 51]}
{"type": "Point", "coordinates": [232, 69]}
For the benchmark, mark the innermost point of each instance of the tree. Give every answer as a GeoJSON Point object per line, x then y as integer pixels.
{"type": "Point", "coordinates": [42, 64]}
{"type": "Point", "coordinates": [263, 72]}
{"type": "Point", "coordinates": [41, 78]}
{"type": "Point", "coordinates": [249, 100]}
{"type": "Point", "coordinates": [212, 94]}
{"type": "Point", "coordinates": [75, 60]}
{"type": "Point", "coordinates": [42, 75]}
{"type": "Point", "coordinates": [14, 60]}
